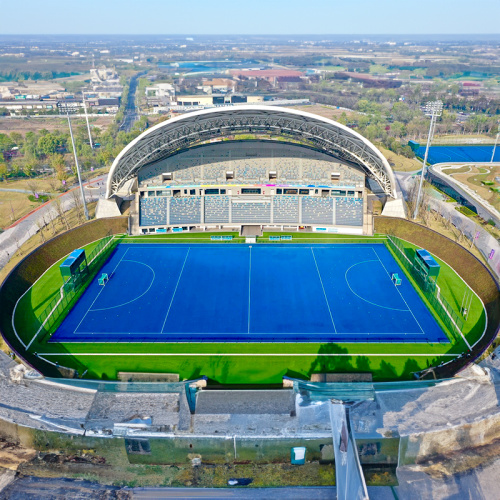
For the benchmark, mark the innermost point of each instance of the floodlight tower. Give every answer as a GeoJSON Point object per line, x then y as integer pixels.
{"type": "Point", "coordinates": [87, 119]}
{"type": "Point", "coordinates": [85, 210]}
{"type": "Point", "coordinates": [434, 110]}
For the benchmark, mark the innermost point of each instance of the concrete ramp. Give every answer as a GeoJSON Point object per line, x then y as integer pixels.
{"type": "Point", "coordinates": [108, 208]}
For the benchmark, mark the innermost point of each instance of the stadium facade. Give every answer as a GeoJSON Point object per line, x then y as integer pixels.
{"type": "Point", "coordinates": [254, 165]}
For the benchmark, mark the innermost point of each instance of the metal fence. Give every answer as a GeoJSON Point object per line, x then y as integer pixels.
{"type": "Point", "coordinates": [450, 317]}
{"type": "Point", "coordinates": [54, 311]}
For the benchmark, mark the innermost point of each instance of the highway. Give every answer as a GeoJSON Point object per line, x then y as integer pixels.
{"type": "Point", "coordinates": [131, 115]}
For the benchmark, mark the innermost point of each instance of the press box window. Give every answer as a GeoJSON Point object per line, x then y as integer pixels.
{"type": "Point", "coordinates": [290, 191]}
{"type": "Point", "coordinates": [304, 191]}
{"type": "Point", "coordinates": [211, 191]}
{"type": "Point", "coordinates": [251, 191]}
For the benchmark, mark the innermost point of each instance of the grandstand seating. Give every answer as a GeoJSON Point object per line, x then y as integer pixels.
{"type": "Point", "coordinates": [316, 210]}
{"type": "Point", "coordinates": [349, 211]}
{"type": "Point", "coordinates": [286, 209]}
{"type": "Point", "coordinates": [249, 211]}
{"type": "Point", "coordinates": [251, 162]}
{"type": "Point", "coordinates": [153, 211]}
{"type": "Point", "coordinates": [220, 209]}
{"type": "Point", "coordinates": [185, 210]}
{"type": "Point", "coordinates": [216, 209]}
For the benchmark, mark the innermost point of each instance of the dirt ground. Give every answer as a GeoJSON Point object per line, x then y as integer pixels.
{"type": "Point", "coordinates": [400, 163]}
{"type": "Point", "coordinates": [325, 111]}
{"type": "Point", "coordinates": [34, 124]}
{"type": "Point", "coordinates": [13, 455]}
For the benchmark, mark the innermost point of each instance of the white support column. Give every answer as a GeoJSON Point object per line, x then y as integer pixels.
{"type": "Point", "coordinates": [300, 210]}
{"type": "Point", "coordinates": [168, 210]}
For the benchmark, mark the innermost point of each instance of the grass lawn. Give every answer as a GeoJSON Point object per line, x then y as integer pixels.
{"type": "Point", "coordinates": [244, 362]}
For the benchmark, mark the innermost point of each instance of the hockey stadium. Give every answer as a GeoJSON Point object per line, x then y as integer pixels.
{"type": "Point", "coordinates": [251, 253]}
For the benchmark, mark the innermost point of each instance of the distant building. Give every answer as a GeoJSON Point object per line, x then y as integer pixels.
{"type": "Point", "coordinates": [104, 75]}
{"type": "Point", "coordinates": [469, 89]}
{"type": "Point", "coordinates": [368, 80]}
{"type": "Point", "coordinates": [215, 100]}
{"type": "Point", "coordinates": [105, 82]}
{"type": "Point", "coordinates": [219, 86]}
{"type": "Point", "coordinates": [270, 75]}
{"type": "Point", "coordinates": [160, 94]}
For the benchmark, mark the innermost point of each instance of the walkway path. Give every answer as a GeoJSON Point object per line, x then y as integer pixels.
{"type": "Point", "coordinates": [24, 228]}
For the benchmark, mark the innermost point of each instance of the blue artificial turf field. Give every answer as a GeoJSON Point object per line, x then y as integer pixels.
{"type": "Point", "coordinates": [443, 154]}
{"type": "Point", "coordinates": [242, 293]}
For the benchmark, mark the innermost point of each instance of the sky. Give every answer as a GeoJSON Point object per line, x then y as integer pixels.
{"type": "Point", "coordinates": [278, 17]}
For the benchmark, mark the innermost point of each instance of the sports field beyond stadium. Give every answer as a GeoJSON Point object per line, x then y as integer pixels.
{"type": "Point", "coordinates": [245, 293]}
{"type": "Point", "coordinates": [458, 154]}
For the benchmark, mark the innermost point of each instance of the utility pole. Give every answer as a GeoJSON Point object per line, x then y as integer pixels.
{"type": "Point", "coordinates": [85, 210]}
{"type": "Point", "coordinates": [432, 109]}
{"type": "Point", "coordinates": [87, 119]}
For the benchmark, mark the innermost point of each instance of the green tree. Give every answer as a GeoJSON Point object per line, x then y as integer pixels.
{"type": "Point", "coordinates": [4, 171]}
{"type": "Point", "coordinates": [49, 143]}
{"type": "Point", "coordinates": [401, 112]}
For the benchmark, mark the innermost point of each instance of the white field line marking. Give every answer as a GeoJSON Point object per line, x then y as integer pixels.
{"type": "Point", "coordinates": [324, 292]}
{"type": "Point", "coordinates": [368, 301]}
{"type": "Point", "coordinates": [236, 354]}
{"type": "Point", "coordinates": [256, 334]}
{"type": "Point", "coordinates": [249, 286]}
{"type": "Point", "coordinates": [137, 298]}
{"type": "Point", "coordinates": [57, 303]}
{"type": "Point", "coordinates": [398, 290]}
{"type": "Point", "coordinates": [175, 290]}
{"type": "Point", "coordinates": [447, 313]}
{"type": "Point", "coordinates": [100, 291]}
{"type": "Point", "coordinates": [47, 318]}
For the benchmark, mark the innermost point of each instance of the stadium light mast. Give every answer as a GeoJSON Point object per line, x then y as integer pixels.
{"type": "Point", "coordinates": [87, 119]}
{"type": "Point", "coordinates": [432, 109]}
{"type": "Point", "coordinates": [85, 210]}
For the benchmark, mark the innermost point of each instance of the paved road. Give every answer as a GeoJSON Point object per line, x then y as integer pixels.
{"type": "Point", "coordinates": [130, 114]}
{"type": "Point", "coordinates": [24, 229]}
{"type": "Point", "coordinates": [297, 493]}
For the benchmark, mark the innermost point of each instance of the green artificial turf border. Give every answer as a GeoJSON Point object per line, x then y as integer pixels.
{"type": "Point", "coordinates": [241, 362]}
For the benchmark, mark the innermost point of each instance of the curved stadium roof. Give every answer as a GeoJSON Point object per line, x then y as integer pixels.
{"type": "Point", "coordinates": [323, 134]}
